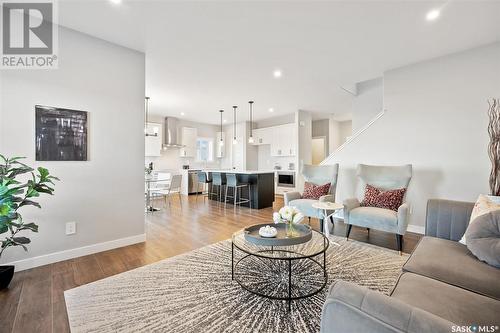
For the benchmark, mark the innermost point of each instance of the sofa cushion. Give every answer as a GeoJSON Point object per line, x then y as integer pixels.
{"type": "Point", "coordinates": [483, 238]}
{"type": "Point", "coordinates": [455, 304]}
{"type": "Point", "coordinates": [373, 217]}
{"type": "Point", "coordinates": [451, 262]}
{"type": "Point", "coordinates": [483, 205]}
{"type": "Point", "coordinates": [306, 208]}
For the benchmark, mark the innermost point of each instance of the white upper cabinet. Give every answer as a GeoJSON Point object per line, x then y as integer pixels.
{"type": "Point", "coordinates": [152, 143]}
{"type": "Point", "coordinates": [188, 140]}
{"type": "Point", "coordinates": [220, 145]}
{"type": "Point", "coordinates": [284, 140]}
{"type": "Point", "coordinates": [263, 136]}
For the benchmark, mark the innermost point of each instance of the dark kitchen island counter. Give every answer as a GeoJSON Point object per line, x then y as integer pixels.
{"type": "Point", "coordinates": [261, 186]}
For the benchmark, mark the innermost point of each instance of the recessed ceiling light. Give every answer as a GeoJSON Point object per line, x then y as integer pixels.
{"type": "Point", "coordinates": [116, 2]}
{"type": "Point", "coordinates": [271, 110]}
{"type": "Point", "coordinates": [182, 113]}
{"type": "Point", "coordinates": [433, 14]}
{"type": "Point", "coordinates": [277, 73]}
{"type": "Point", "coordinates": [225, 121]}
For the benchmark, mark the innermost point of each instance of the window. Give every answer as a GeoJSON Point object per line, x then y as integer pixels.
{"type": "Point", "coordinates": [205, 149]}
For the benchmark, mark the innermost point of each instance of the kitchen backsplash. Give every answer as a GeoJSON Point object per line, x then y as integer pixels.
{"type": "Point", "coordinates": [266, 161]}
{"type": "Point", "coordinates": [170, 160]}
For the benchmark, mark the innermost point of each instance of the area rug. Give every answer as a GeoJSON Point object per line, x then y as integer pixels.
{"type": "Point", "coordinates": [193, 292]}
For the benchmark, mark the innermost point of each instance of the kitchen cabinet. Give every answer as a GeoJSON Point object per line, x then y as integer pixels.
{"type": "Point", "coordinates": [220, 145]}
{"type": "Point", "coordinates": [188, 140]}
{"type": "Point", "coordinates": [152, 143]}
{"type": "Point", "coordinates": [284, 140]}
{"type": "Point", "coordinates": [263, 136]}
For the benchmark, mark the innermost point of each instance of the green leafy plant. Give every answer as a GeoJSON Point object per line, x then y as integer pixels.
{"type": "Point", "coordinates": [15, 194]}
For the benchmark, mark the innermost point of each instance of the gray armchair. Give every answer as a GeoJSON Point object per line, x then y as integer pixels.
{"type": "Point", "coordinates": [386, 178]}
{"type": "Point", "coordinates": [317, 175]}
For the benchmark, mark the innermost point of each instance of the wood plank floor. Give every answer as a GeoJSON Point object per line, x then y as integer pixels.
{"type": "Point", "coordinates": [34, 301]}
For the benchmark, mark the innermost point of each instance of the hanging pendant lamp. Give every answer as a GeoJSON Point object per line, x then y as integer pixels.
{"type": "Point", "coordinates": [250, 139]}
{"type": "Point", "coordinates": [221, 142]}
{"type": "Point", "coordinates": [234, 125]}
{"type": "Point", "coordinates": [146, 120]}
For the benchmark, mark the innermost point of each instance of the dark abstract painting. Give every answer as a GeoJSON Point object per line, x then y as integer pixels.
{"type": "Point", "coordinates": [61, 134]}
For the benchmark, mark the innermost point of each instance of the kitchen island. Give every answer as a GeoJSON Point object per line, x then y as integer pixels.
{"type": "Point", "coordinates": [261, 186]}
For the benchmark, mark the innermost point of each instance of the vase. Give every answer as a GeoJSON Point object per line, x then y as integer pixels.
{"type": "Point", "coordinates": [290, 230]}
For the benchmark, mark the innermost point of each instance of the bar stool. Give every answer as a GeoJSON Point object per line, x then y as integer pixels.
{"type": "Point", "coordinates": [219, 182]}
{"type": "Point", "coordinates": [203, 181]}
{"type": "Point", "coordinates": [233, 183]}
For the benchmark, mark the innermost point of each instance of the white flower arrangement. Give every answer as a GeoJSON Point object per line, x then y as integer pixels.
{"type": "Point", "coordinates": [288, 214]}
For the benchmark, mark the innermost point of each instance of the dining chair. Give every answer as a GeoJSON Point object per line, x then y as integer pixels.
{"type": "Point", "coordinates": [157, 187]}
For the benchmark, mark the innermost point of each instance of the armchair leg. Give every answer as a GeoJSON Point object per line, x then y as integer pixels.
{"type": "Point", "coordinates": [399, 241]}
{"type": "Point", "coordinates": [368, 230]}
{"type": "Point", "coordinates": [348, 231]}
{"type": "Point", "coordinates": [309, 220]}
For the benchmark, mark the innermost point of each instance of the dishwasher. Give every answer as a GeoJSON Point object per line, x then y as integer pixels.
{"type": "Point", "coordinates": [193, 181]}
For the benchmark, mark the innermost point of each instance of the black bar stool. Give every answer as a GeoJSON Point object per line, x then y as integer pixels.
{"type": "Point", "coordinates": [219, 182]}
{"type": "Point", "coordinates": [233, 183]}
{"type": "Point", "coordinates": [205, 184]}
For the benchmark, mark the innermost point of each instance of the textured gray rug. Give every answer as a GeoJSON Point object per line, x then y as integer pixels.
{"type": "Point", "coordinates": [193, 292]}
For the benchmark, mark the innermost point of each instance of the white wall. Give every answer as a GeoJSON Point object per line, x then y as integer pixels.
{"type": "Point", "coordinates": [345, 130]}
{"type": "Point", "coordinates": [437, 120]}
{"type": "Point", "coordinates": [276, 121]}
{"type": "Point", "coordinates": [303, 120]}
{"type": "Point", "coordinates": [104, 195]}
{"type": "Point", "coordinates": [367, 103]}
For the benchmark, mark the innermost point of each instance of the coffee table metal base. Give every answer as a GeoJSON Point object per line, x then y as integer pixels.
{"type": "Point", "coordinates": [283, 269]}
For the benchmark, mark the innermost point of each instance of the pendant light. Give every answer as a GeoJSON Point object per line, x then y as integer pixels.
{"type": "Point", "coordinates": [146, 120]}
{"type": "Point", "coordinates": [250, 139]}
{"type": "Point", "coordinates": [234, 125]}
{"type": "Point", "coordinates": [221, 142]}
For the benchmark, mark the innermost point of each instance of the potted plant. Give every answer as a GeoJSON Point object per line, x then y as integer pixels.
{"type": "Point", "coordinates": [14, 194]}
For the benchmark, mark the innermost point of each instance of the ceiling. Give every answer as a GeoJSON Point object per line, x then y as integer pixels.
{"type": "Point", "coordinates": [205, 56]}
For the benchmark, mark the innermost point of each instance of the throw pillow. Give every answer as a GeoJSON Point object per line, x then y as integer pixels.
{"type": "Point", "coordinates": [312, 191]}
{"type": "Point", "coordinates": [483, 205]}
{"type": "Point", "coordinates": [390, 199]}
{"type": "Point", "coordinates": [483, 238]}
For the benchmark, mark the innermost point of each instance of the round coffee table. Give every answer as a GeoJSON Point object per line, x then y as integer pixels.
{"type": "Point", "coordinates": [280, 272]}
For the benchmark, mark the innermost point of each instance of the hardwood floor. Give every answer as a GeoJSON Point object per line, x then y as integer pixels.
{"type": "Point", "coordinates": [34, 301]}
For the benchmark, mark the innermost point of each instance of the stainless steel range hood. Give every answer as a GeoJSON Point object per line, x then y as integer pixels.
{"type": "Point", "coordinates": [170, 137]}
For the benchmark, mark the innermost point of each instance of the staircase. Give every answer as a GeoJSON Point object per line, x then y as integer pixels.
{"type": "Point", "coordinates": [353, 137]}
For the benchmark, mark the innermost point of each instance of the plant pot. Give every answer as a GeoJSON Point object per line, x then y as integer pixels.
{"type": "Point", "coordinates": [6, 274]}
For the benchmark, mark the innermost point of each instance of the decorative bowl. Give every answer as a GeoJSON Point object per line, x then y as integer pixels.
{"type": "Point", "coordinates": [268, 231]}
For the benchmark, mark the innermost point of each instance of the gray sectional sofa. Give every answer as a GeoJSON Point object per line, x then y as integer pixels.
{"type": "Point", "coordinates": [442, 286]}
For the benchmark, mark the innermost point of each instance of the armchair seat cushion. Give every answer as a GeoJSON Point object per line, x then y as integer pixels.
{"type": "Point", "coordinates": [305, 207]}
{"type": "Point", "coordinates": [452, 263]}
{"type": "Point", "coordinates": [374, 217]}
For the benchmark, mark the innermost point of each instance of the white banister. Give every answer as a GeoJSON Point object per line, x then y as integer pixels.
{"type": "Point", "coordinates": [353, 137]}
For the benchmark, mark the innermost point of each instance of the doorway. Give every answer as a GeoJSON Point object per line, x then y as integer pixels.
{"type": "Point", "coordinates": [318, 149]}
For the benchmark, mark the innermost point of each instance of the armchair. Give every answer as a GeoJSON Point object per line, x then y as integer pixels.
{"type": "Point", "coordinates": [386, 178]}
{"type": "Point", "coordinates": [317, 175]}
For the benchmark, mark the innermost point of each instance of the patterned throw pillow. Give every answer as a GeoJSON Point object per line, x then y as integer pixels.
{"type": "Point", "coordinates": [312, 191]}
{"type": "Point", "coordinates": [483, 205]}
{"type": "Point", "coordinates": [390, 199]}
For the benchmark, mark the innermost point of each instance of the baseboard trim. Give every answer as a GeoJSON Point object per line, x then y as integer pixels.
{"type": "Point", "coordinates": [51, 258]}
{"type": "Point", "coordinates": [418, 229]}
